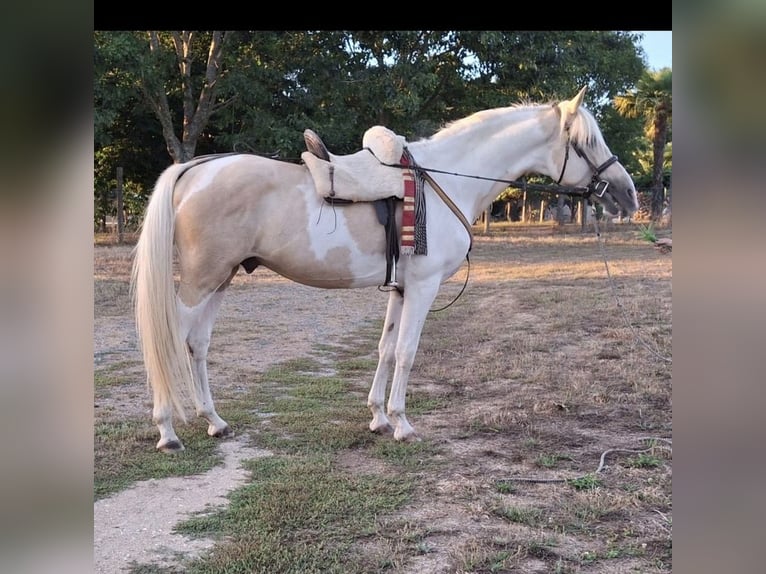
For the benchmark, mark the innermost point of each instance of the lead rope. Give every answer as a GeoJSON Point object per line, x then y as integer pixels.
{"type": "Point", "coordinates": [620, 306]}
{"type": "Point", "coordinates": [601, 465]}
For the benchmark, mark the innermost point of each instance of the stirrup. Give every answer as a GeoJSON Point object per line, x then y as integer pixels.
{"type": "Point", "coordinates": [391, 280]}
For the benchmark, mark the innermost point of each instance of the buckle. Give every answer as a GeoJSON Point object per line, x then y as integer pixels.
{"type": "Point", "coordinates": [600, 188]}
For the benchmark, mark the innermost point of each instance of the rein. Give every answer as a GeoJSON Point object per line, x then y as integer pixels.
{"type": "Point", "coordinates": [595, 187]}
{"type": "Point", "coordinates": [585, 192]}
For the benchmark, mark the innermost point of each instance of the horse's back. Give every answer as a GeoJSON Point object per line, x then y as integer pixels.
{"type": "Point", "coordinates": [239, 208]}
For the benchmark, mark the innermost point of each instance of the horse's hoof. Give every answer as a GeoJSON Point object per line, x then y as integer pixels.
{"type": "Point", "coordinates": [409, 439]}
{"type": "Point", "coordinates": [406, 433]}
{"type": "Point", "coordinates": [171, 447]}
{"type": "Point", "coordinates": [225, 432]}
{"type": "Point", "coordinates": [385, 429]}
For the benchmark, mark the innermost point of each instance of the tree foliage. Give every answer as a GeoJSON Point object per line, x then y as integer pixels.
{"type": "Point", "coordinates": [651, 101]}
{"type": "Point", "coordinates": [162, 97]}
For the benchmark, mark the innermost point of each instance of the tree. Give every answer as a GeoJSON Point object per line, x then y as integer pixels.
{"type": "Point", "coordinates": [183, 93]}
{"type": "Point", "coordinates": [197, 107]}
{"type": "Point", "coordinates": [652, 100]}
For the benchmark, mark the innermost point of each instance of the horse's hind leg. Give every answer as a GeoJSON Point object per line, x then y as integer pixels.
{"type": "Point", "coordinates": [386, 350]}
{"type": "Point", "coordinates": [195, 328]}
{"type": "Point", "coordinates": [198, 323]}
{"type": "Point", "coordinates": [198, 340]}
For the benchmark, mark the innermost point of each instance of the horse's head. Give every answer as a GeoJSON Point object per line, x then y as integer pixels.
{"type": "Point", "coordinates": [587, 160]}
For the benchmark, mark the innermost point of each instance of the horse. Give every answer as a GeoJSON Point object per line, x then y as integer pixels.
{"type": "Point", "coordinates": [217, 214]}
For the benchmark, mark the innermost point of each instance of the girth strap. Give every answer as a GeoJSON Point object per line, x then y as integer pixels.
{"type": "Point", "coordinates": [392, 237]}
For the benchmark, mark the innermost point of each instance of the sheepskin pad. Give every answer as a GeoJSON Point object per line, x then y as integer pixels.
{"type": "Point", "coordinates": [363, 175]}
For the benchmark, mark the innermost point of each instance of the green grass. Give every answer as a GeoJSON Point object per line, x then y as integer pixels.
{"type": "Point", "coordinates": [299, 514]}
{"type": "Point", "coordinates": [586, 482]}
{"type": "Point", "coordinates": [647, 233]}
{"type": "Point", "coordinates": [113, 374]}
{"type": "Point", "coordinates": [532, 517]}
{"type": "Point", "coordinates": [645, 461]}
{"type": "Point", "coordinates": [124, 454]}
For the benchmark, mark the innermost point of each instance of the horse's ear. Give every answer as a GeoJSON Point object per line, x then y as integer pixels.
{"type": "Point", "coordinates": [575, 102]}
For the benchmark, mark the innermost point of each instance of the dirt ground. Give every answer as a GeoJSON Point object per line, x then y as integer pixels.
{"type": "Point", "coordinates": [135, 526]}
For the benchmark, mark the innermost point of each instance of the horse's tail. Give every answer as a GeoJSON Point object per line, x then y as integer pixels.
{"type": "Point", "coordinates": [166, 356]}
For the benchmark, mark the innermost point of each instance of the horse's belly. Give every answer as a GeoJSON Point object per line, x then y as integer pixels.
{"type": "Point", "coordinates": [340, 269]}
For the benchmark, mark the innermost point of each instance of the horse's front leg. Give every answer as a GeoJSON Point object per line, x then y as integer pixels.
{"type": "Point", "coordinates": [417, 302]}
{"type": "Point", "coordinates": [386, 356]}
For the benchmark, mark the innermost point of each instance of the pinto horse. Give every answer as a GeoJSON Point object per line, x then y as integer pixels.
{"type": "Point", "coordinates": [217, 214]}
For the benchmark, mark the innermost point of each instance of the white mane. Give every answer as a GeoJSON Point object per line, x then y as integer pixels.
{"type": "Point", "coordinates": [486, 117]}
{"type": "Point", "coordinates": [584, 130]}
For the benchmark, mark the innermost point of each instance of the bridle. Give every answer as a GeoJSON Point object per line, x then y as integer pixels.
{"type": "Point", "coordinates": [597, 186]}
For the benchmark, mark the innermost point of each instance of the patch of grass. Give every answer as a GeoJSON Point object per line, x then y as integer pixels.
{"type": "Point", "coordinates": [532, 517]}
{"type": "Point", "coordinates": [104, 379]}
{"type": "Point", "coordinates": [644, 461]}
{"type": "Point", "coordinates": [397, 540]}
{"type": "Point", "coordinates": [647, 233]}
{"type": "Point", "coordinates": [299, 514]}
{"type": "Point", "coordinates": [124, 453]}
{"type": "Point", "coordinates": [356, 366]}
{"type": "Point", "coordinates": [550, 460]}
{"type": "Point", "coordinates": [113, 374]}
{"type": "Point", "coordinates": [409, 456]}
{"type": "Point", "coordinates": [313, 414]}
{"type": "Point", "coordinates": [586, 482]}
{"type": "Point", "coordinates": [506, 487]}
{"type": "Point", "coordinates": [419, 404]}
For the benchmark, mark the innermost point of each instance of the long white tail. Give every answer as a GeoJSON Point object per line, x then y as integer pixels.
{"type": "Point", "coordinates": [166, 356]}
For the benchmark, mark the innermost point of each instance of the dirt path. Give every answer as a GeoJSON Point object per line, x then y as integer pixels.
{"type": "Point", "coordinates": [136, 525]}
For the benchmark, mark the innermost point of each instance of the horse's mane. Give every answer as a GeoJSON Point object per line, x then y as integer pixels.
{"type": "Point", "coordinates": [482, 116]}
{"type": "Point", "coordinates": [584, 130]}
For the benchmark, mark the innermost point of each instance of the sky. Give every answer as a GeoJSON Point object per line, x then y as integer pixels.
{"type": "Point", "coordinates": [659, 49]}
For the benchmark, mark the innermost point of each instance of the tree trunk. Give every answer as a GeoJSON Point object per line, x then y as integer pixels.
{"type": "Point", "coordinates": [196, 114]}
{"type": "Point", "coordinates": [658, 152]}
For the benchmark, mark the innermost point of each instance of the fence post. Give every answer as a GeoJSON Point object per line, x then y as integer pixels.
{"type": "Point", "coordinates": [524, 200]}
{"type": "Point", "coordinates": [120, 215]}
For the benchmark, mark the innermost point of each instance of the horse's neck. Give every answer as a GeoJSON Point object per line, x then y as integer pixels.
{"type": "Point", "coordinates": [519, 148]}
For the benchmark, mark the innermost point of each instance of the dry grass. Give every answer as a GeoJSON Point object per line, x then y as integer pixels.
{"type": "Point", "coordinates": [534, 372]}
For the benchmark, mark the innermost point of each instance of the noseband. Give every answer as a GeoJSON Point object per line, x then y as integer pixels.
{"type": "Point", "coordinates": [596, 186]}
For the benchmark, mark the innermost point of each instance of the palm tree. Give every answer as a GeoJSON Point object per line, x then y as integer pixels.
{"type": "Point", "coordinates": [652, 100]}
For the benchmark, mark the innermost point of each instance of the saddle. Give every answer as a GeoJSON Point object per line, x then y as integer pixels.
{"type": "Point", "coordinates": [362, 177]}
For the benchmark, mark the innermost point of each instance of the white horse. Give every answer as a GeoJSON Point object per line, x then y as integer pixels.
{"type": "Point", "coordinates": [239, 210]}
